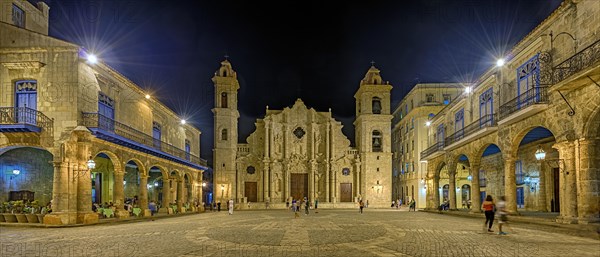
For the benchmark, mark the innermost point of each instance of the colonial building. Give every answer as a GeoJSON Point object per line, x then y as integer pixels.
{"type": "Point", "coordinates": [74, 131]}
{"type": "Point", "coordinates": [529, 128]}
{"type": "Point", "coordinates": [412, 117]}
{"type": "Point", "coordinates": [300, 152]}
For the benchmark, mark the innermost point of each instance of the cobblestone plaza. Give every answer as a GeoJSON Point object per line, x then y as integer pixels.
{"type": "Point", "coordinates": [377, 232]}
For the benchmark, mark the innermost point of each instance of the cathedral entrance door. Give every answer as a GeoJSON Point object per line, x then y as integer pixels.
{"type": "Point", "coordinates": [250, 191]}
{"type": "Point", "coordinates": [345, 192]}
{"type": "Point", "coordinates": [299, 185]}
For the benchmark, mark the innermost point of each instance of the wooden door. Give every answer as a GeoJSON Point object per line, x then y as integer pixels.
{"type": "Point", "coordinates": [345, 192]}
{"type": "Point", "coordinates": [250, 191]}
{"type": "Point", "coordinates": [299, 186]}
{"type": "Point", "coordinates": [555, 202]}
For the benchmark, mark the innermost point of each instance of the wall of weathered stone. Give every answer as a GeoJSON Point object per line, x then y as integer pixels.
{"type": "Point", "coordinates": [36, 173]}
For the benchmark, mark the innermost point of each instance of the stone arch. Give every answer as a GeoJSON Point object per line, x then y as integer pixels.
{"type": "Point", "coordinates": [481, 150]}
{"type": "Point", "coordinates": [141, 168]}
{"type": "Point", "coordinates": [26, 168]}
{"type": "Point", "coordinates": [438, 168]}
{"type": "Point", "coordinates": [513, 147]}
{"type": "Point", "coordinates": [118, 165]}
{"type": "Point", "coordinates": [163, 170]}
{"type": "Point", "coordinates": [592, 125]}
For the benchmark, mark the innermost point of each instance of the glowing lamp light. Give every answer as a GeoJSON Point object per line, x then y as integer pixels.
{"type": "Point", "coordinates": [428, 123]}
{"type": "Point", "coordinates": [149, 186]}
{"type": "Point", "coordinates": [540, 154]}
{"type": "Point", "coordinates": [91, 164]}
{"type": "Point", "coordinates": [155, 184]}
{"type": "Point", "coordinates": [469, 177]}
{"type": "Point", "coordinates": [500, 62]}
{"type": "Point", "coordinates": [422, 181]}
{"type": "Point", "coordinates": [222, 187]}
{"type": "Point", "coordinates": [16, 172]}
{"type": "Point", "coordinates": [467, 90]}
{"type": "Point", "coordinates": [147, 96]}
{"type": "Point", "coordinates": [203, 184]}
{"type": "Point", "coordinates": [92, 58]}
{"type": "Point", "coordinates": [124, 182]}
{"type": "Point", "coordinates": [183, 122]}
{"type": "Point", "coordinates": [457, 188]}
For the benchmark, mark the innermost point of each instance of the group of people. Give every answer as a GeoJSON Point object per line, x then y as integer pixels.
{"type": "Point", "coordinates": [297, 204]}
{"type": "Point", "coordinates": [491, 209]}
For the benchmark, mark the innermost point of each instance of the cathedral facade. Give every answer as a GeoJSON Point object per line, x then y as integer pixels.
{"type": "Point", "coordinates": [299, 152]}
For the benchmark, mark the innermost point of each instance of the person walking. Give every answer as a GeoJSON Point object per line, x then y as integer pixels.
{"type": "Point", "coordinates": [219, 206]}
{"type": "Point", "coordinates": [361, 205]}
{"type": "Point", "coordinates": [306, 206]}
{"type": "Point", "coordinates": [488, 207]}
{"type": "Point", "coordinates": [230, 206]}
{"type": "Point", "coordinates": [316, 205]}
{"type": "Point", "coordinates": [502, 215]}
{"type": "Point", "coordinates": [294, 205]}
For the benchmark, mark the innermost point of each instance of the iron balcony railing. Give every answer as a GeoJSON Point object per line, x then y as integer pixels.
{"type": "Point", "coordinates": [485, 121]}
{"type": "Point", "coordinates": [95, 120]}
{"type": "Point", "coordinates": [576, 63]}
{"type": "Point", "coordinates": [26, 116]}
{"type": "Point", "coordinates": [533, 96]}
{"type": "Point", "coordinates": [432, 149]}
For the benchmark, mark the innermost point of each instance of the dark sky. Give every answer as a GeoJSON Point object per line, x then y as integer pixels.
{"type": "Point", "coordinates": [283, 50]}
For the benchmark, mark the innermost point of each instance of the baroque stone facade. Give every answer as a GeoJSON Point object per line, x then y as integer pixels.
{"type": "Point", "coordinates": [299, 152]}
{"type": "Point", "coordinates": [58, 105]}
{"type": "Point", "coordinates": [544, 100]}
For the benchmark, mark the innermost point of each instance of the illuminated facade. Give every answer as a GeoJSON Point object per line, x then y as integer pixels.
{"type": "Point", "coordinates": [545, 101]}
{"type": "Point", "coordinates": [299, 152]}
{"type": "Point", "coordinates": [409, 137]}
{"type": "Point", "coordinates": [59, 110]}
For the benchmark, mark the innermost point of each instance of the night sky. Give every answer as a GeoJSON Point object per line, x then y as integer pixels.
{"type": "Point", "coordinates": [283, 50]}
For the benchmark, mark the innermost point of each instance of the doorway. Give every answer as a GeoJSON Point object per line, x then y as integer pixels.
{"type": "Point", "coordinates": [345, 192]}
{"type": "Point", "coordinates": [555, 202]}
{"type": "Point", "coordinates": [299, 185]}
{"type": "Point", "coordinates": [250, 190]}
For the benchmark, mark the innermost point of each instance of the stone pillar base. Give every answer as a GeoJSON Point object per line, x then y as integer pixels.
{"type": "Point", "coordinates": [588, 220]}
{"type": "Point", "coordinates": [122, 214]}
{"type": "Point", "coordinates": [87, 218]}
{"type": "Point", "coordinates": [146, 213]}
{"type": "Point", "coordinates": [181, 210]}
{"type": "Point", "coordinates": [164, 210]}
{"type": "Point", "coordinates": [566, 220]}
{"type": "Point", "coordinates": [63, 218]}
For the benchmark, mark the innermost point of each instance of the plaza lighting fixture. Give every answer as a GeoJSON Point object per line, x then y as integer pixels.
{"type": "Point", "coordinates": [183, 122]}
{"type": "Point", "coordinates": [124, 182]}
{"type": "Point", "coordinates": [203, 184]}
{"type": "Point", "coordinates": [540, 154]}
{"type": "Point", "coordinates": [155, 184]}
{"type": "Point", "coordinates": [428, 123]}
{"type": "Point", "coordinates": [92, 58]}
{"type": "Point", "coordinates": [469, 177]}
{"type": "Point", "coordinates": [149, 186]}
{"type": "Point", "coordinates": [91, 164]}
{"type": "Point", "coordinates": [147, 96]}
{"type": "Point", "coordinates": [422, 181]}
{"type": "Point", "coordinates": [16, 172]}
{"type": "Point", "coordinates": [467, 90]}
{"type": "Point", "coordinates": [500, 62]}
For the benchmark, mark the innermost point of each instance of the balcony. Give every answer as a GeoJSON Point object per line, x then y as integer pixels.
{"type": "Point", "coordinates": [433, 151]}
{"type": "Point", "coordinates": [576, 64]}
{"type": "Point", "coordinates": [478, 129]}
{"type": "Point", "coordinates": [23, 119]}
{"type": "Point", "coordinates": [527, 104]}
{"type": "Point", "coordinates": [110, 130]}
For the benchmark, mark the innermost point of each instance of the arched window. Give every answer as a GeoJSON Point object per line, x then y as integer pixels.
{"type": "Point", "coordinates": [377, 143]}
{"type": "Point", "coordinates": [223, 100]}
{"type": "Point", "coordinates": [224, 134]}
{"type": "Point", "coordinates": [376, 105]}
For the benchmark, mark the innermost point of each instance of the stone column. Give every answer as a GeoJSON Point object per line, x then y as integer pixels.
{"type": "Point", "coordinates": [568, 183]}
{"type": "Point", "coordinates": [166, 194]}
{"type": "Point", "coordinates": [452, 185]}
{"type": "Point", "coordinates": [510, 182]}
{"type": "Point", "coordinates": [436, 191]}
{"type": "Point", "coordinates": [119, 193]}
{"type": "Point", "coordinates": [541, 189]}
{"type": "Point", "coordinates": [143, 199]}
{"type": "Point", "coordinates": [64, 207]}
{"type": "Point", "coordinates": [588, 197]}
{"type": "Point", "coordinates": [475, 189]}
{"type": "Point", "coordinates": [328, 165]}
{"type": "Point", "coordinates": [180, 197]}
{"type": "Point", "coordinates": [84, 195]}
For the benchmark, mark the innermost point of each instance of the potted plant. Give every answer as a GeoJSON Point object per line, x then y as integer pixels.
{"type": "Point", "coordinates": [2, 211]}
{"type": "Point", "coordinates": [31, 211]}
{"type": "Point", "coordinates": [19, 206]}
{"type": "Point", "coordinates": [9, 215]}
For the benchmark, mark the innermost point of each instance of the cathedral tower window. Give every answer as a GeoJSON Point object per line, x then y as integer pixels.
{"type": "Point", "coordinates": [376, 105]}
{"type": "Point", "coordinates": [223, 100]}
{"type": "Point", "coordinates": [377, 147]}
{"type": "Point", "coordinates": [224, 134]}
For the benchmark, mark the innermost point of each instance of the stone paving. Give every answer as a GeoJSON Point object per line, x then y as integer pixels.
{"type": "Point", "coordinates": [278, 233]}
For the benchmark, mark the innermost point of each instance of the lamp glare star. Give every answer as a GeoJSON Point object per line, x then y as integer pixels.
{"type": "Point", "coordinates": [92, 58]}
{"type": "Point", "coordinates": [183, 122]}
{"type": "Point", "coordinates": [500, 62]}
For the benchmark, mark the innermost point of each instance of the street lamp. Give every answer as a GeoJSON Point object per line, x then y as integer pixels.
{"type": "Point", "coordinates": [500, 62]}
{"type": "Point", "coordinates": [147, 96]}
{"type": "Point", "coordinates": [428, 123]}
{"type": "Point", "coordinates": [91, 58]}
{"type": "Point", "coordinates": [183, 122]}
{"type": "Point", "coordinates": [540, 154]}
{"type": "Point", "coordinates": [90, 165]}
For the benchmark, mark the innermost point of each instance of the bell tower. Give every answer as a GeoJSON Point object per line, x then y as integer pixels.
{"type": "Point", "coordinates": [373, 138]}
{"type": "Point", "coordinates": [226, 118]}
